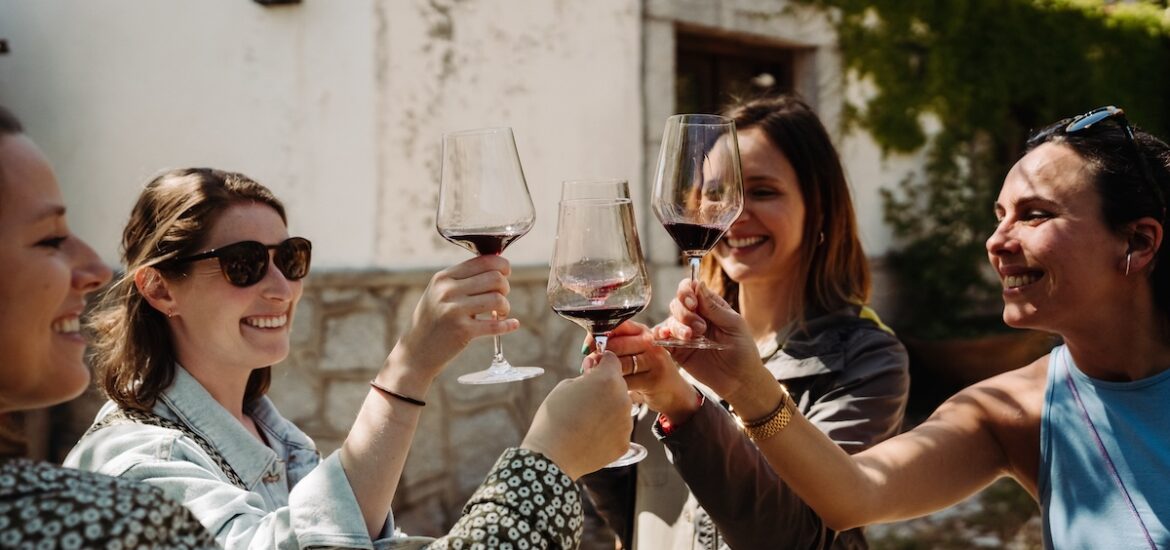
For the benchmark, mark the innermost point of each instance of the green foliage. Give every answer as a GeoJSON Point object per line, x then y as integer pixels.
{"type": "Point", "coordinates": [988, 72]}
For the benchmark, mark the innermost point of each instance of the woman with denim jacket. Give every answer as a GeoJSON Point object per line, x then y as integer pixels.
{"type": "Point", "coordinates": [1080, 251]}
{"type": "Point", "coordinates": [184, 347]}
{"type": "Point", "coordinates": [49, 272]}
{"type": "Point", "coordinates": [794, 267]}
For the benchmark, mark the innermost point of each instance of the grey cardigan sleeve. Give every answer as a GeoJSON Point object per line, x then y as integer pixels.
{"type": "Point", "coordinates": [751, 506]}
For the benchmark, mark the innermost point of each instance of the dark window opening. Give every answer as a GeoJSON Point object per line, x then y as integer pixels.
{"type": "Point", "coordinates": [712, 71]}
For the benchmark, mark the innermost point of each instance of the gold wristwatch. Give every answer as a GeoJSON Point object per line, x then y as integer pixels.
{"type": "Point", "coordinates": [773, 422]}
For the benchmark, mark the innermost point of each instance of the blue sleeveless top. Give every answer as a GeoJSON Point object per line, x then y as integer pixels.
{"type": "Point", "coordinates": [1083, 504]}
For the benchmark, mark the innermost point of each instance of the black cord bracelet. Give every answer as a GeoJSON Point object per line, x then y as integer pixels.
{"type": "Point", "coordinates": [396, 395]}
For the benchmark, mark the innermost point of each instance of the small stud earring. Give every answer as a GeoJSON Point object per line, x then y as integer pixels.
{"type": "Point", "coordinates": [170, 314]}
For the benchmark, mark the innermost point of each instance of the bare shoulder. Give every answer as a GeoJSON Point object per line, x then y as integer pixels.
{"type": "Point", "coordinates": [1008, 407]}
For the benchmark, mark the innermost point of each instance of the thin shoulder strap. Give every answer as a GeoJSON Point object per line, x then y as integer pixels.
{"type": "Point", "coordinates": [1072, 386]}
{"type": "Point", "coordinates": [131, 416]}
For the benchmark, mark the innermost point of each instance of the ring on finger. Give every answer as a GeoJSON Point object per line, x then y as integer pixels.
{"type": "Point", "coordinates": [634, 360]}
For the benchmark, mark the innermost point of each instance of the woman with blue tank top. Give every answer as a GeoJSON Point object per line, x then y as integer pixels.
{"type": "Point", "coordinates": [1079, 250]}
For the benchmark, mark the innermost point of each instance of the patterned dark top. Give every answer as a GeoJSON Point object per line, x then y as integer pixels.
{"type": "Point", "coordinates": [46, 506]}
{"type": "Point", "coordinates": [526, 502]}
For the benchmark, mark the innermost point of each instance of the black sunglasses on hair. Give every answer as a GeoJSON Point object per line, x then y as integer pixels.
{"type": "Point", "coordinates": [1086, 121]}
{"type": "Point", "coordinates": [245, 263]}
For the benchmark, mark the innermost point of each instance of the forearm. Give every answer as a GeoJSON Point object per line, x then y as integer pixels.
{"type": "Point", "coordinates": [555, 523]}
{"type": "Point", "coordinates": [374, 452]}
{"type": "Point", "coordinates": [737, 487]}
{"type": "Point", "coordinates": [813, 466]}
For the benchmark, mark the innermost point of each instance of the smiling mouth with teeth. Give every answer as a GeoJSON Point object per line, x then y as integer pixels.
{"type": "Point", "coordinates": [267, 322]}
{"type": "Point", "coordinates": [68, 325]}
{"type": "Point", "coordinates": [1016, 281]}
{"type": "Point", "coordinates": [743, 242]}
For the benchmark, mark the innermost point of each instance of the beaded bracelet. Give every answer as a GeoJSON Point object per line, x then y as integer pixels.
{"type": "Point", "coordinates": [374, 384]}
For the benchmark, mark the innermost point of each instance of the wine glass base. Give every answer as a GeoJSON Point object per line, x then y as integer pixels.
{"type": "Point", "coordinates": [635, 453]}
{"type": "Point", "coordinates": [694, 343]}
{"type": "Point", "coordinates": [488, 376]}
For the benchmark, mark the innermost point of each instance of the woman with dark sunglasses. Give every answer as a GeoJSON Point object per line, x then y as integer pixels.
{"type": "Point", "coordinates": [1080, 251]}
{"type": "Point", "coordinates": [49, 272]}
{"type": "Point", "coordinates": [184, 348]}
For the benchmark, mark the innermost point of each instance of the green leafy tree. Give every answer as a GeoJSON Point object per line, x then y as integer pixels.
{"type": "Point", "coordinates": [988, 72]}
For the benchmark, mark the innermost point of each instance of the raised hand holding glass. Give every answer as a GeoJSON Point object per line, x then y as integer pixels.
{"type": "Point", "coordinates": [484, 206]}
{"type": "Point", "coordinates": [698, 190]}
{"type": "Point", "coordinates": [598, 277]}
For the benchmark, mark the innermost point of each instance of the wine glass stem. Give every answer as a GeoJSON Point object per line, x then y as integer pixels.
{"type": "Point", "coordinates": [601, 340]}
{"type": "Point", "coordinates": [695, 267]}
{"type": "Point", "coordinates": [498, 362]}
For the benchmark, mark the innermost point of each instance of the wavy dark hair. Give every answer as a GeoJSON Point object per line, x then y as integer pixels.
{"type": "Point", "coordinates": [1120, 179]}
{"type": "Point", "coordinates": [134, 356]}
{"type": "Point", "coordinates": [835, 270]}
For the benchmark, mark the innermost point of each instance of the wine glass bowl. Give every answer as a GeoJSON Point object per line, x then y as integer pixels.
{"type": "Point", "coordinates": [598, 278]}
{"type": "Point", "coordinates": [698, 190]}
{"type": "Point", "coordinates": [484, 206]}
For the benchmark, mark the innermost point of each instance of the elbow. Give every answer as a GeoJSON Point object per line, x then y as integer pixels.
{"type": "Point", "coordinates": [840, 522]}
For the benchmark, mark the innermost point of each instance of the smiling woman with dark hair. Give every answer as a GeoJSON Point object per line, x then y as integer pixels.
{"type": "Point", "coordinates": [793, 265]}
{"type": "Point", "coordinates": [49, 272]}
{"type": "Point", "coordinates": [1080, 250]}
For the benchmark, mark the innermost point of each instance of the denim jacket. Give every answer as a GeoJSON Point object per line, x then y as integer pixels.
{"type": "Point", "coordinates": [295, 499]}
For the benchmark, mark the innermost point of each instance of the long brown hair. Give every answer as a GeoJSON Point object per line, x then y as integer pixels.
{"type": "Point", "coordinates": [835, 272]}
{"type": "Point", "coordinates": [134, 356]}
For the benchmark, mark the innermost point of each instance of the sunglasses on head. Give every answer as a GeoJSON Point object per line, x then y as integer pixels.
{"type": "Point", "coordinates": [245, 263]}
{"type": "Point", "coordinates": [1085, 122]}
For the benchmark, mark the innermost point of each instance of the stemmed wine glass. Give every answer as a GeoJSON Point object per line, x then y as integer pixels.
{"type": "Point", "coordinates": [484, 206]}
{"type": "Point", "coordinates": [698, 190]}
{"type": "Point", "coordinates": [598, 278]}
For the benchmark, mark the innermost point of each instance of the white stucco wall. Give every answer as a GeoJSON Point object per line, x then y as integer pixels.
{"type": "Point", "coordinates": [337, 105]}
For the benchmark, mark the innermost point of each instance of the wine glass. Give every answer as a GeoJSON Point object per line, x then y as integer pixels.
{"type": "Point", "coordinates": [484, 206]}
{"type": "Point", "coordinates": [599, 189]}
{"type": "Point", "coordinates": [598, 278]}
{"type": "Point", "coordinates": [698, 190]}
{"type": "Point", "coordinates": [595, 189]}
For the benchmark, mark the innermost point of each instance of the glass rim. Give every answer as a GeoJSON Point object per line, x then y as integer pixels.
{"type": "Point", "coordinates": [598, 181]}
{"type": "Point", "coordinates": [479, 131]}
{"type": "Point", "coordinates": [715, 120]}
{"type": "Point", "coordinates": [592, 201]}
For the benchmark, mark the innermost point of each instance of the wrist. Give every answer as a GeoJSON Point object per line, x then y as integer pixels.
{"type": "Point", "coordinates": [683, 407]}
{"type": "Point", "coordinates": [756, 399]}
{"type": "Point", "coordinates": [401, 374]}
{"type": "Point", "coordinates": [537, 445]}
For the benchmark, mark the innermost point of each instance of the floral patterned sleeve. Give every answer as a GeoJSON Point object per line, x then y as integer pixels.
{"type": "Point", "coordinates": [526, 502]}
{"type": "Point", "coordinates": [42, 505]}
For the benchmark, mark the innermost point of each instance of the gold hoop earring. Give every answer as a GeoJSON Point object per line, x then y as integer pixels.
{"type": "Point", "coordinates": [1127, 257]}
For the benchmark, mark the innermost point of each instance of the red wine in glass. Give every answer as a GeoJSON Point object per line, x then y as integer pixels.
{"type": "Point", "coordinates": [481, 242]}
{"type": "Point", "coordinates": [484, 206]}
{"type": "Point", "coordinates": [698, 191]}
{"type": "Point", "coordinates": [600, 320]}
{"type": "Point", "coordinates": [598, 277]}
{"type": "Point", "coordinates": [694, 239]}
